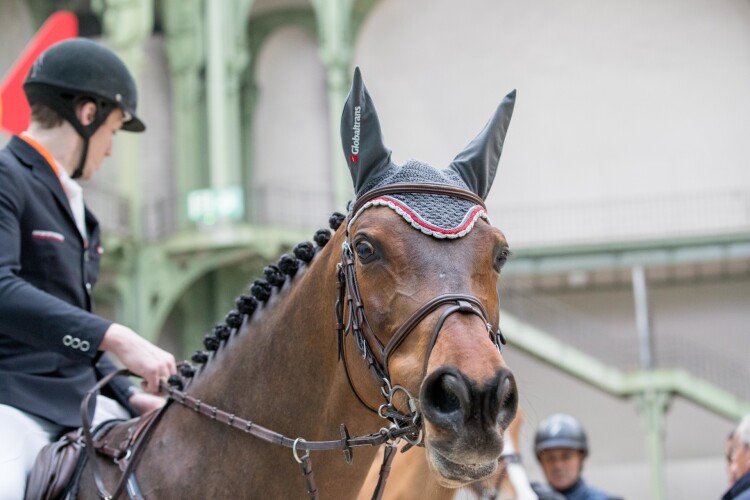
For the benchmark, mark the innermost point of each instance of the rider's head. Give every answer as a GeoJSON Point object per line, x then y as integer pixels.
{"type": "Point", "coordinates": [560, 445]}
{"type": "Point", "coordinates": [80, 73]}
{"type": "Point", "coordinates": [738, 452]}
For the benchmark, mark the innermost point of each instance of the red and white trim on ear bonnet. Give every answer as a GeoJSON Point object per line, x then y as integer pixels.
{"type": "Point", "coordinates": [440, 216]}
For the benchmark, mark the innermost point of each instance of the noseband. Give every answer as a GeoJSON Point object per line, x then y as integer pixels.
{"type": "Point", "coordinates": [372, 349]}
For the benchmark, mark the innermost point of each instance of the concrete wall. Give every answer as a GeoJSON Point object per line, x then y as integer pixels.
{"type": "Point", "coordinates": [617, 101]}
{"type": "Point", "coordinates": [291, 169]}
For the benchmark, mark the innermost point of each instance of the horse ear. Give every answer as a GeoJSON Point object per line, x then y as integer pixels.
{"type": "Point", "coordinates": [477, 163]}
{"type": "Point", "coordinates": [361, 137]}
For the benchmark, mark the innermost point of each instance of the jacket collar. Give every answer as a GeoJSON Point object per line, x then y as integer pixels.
{"type": "Point", "coordinates": [43, 171]}
{"type": "Point", "coordinates": [742, 484]}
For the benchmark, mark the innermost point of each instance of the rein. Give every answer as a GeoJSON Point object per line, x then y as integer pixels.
{"type": "Point", "coordinates": [129, 457]}
{"type": "Point", "coordinates": [403, 425]}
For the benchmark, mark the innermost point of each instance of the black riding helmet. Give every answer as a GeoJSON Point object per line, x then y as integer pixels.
{"type": "Point", "coordinates": [560, 431]}
{"type": "Point", "coordinates": [80, 69]}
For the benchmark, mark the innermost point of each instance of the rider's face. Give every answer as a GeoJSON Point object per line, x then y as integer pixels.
{"type": "Point", "coordinates": [738, 459]}
{"type": "Point", "coordinates": [100, 144]}
{"type": "Point", "coordinates": [562, 466]}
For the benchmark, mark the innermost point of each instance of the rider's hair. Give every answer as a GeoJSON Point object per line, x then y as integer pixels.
{"type": "Point", "coordinates": [743, 430]}
{"type": "Point", "coordinates": [45, 116]}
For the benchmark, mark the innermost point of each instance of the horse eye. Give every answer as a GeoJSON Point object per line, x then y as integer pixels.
{"type": "Point", "coordinates": [364, 250]}
{"type": "Point", "coordinates": [501, 258]}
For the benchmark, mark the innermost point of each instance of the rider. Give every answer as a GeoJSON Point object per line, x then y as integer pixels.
{"type": "Point", "coordinates": [561, 447]}
{"type": "Point", "coordinates": [51, 344]}
{"type": "Point", "coordinates": [738, 462]}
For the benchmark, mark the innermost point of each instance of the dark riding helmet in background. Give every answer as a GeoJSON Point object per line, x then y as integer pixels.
{"type": "Point", "coordinates": [560, 431]}
{"type": "Point", "coordinates": [79, 69]}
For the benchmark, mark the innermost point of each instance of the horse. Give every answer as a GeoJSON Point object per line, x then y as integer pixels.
{"type": "Point", "coordinates": [386, 329]}
{"type": "Point", "coordinates": [411, 478]}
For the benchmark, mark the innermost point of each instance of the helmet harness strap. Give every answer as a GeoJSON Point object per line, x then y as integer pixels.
{"type": "Point", "coordinates": [103, 109]}
{"type": "Point", "coordinates": [65, 104]}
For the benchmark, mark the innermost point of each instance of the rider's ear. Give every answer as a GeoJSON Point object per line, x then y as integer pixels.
{"type": "Point", "coordinates": [477, 163]}
{"type": "Point", "coordinates": [86, 112]}
{"type": "Point", "coordinates": [361, 137]}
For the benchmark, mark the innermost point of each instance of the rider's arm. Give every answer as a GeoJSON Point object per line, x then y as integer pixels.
{"type": "Point", "coordinates": [34, 317]}
{"type": "Point", "coordinates": [28, 314]}
{"type": "Point", "coordinates": [126, 392]}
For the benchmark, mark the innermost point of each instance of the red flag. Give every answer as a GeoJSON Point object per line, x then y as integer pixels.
{"type": "Point", "coordinates": [14, 108]}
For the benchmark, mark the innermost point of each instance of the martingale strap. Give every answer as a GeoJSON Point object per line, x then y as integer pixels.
{"type": "Point", "coordinates": [389, 452]}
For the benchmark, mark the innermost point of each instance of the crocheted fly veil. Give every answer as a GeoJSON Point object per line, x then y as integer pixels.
{"type": "Point", "coordinates": [371, 167]}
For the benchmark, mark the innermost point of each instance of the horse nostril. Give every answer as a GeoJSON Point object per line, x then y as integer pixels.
{"type": "Point", "coordinates": [445, 398]}
{"type": "Point", "coordinates": [507, 400]}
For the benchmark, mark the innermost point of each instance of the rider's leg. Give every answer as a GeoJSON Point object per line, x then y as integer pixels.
{"type": "Point", "coordinates": [21, 437]}
{"type": "Point", "coordinates": [108, 409]}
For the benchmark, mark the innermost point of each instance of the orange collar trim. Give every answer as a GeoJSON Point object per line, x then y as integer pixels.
{"type": "Point", "coordinates": [42, 151]}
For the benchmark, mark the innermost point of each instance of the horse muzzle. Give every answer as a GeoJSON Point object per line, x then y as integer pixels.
{"type": "Point", "coordinates": [464, 423]}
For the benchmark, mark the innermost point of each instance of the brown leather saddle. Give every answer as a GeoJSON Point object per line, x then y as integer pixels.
{"type": "Point", "coordinates": [58, 465]}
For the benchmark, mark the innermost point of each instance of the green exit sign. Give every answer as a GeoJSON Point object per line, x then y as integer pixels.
{"type": "Point", "coordinates": [209, 206]}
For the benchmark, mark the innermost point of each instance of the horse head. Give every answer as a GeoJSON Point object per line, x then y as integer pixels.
{"type": "Point", "coordinates": [420, 265]}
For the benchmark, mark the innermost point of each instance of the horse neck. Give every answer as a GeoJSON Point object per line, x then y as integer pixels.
{"type": "Point", "coordinates": [281, 372]}
{"type": "Point", "coordinates": [281, 369]}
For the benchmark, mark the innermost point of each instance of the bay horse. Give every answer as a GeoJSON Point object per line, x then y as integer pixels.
{"type": "Point", "coordinates": [387, 329]}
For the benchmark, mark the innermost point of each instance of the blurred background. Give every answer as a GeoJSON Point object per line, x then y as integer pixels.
{"type": "Point", "coordinates": [623, 190]}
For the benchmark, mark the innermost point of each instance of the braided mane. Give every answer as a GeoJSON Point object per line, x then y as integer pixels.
{"type": "Point", "coordinates": [275, 276]}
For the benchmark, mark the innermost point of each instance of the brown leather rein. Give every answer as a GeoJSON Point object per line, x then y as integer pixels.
{"type": "Point", "coordinates": [128, 456]}
{"type": "Point", "coordinates": [406, 426]}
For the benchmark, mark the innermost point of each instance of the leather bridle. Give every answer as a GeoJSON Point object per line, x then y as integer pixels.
{"type": "Point", "coordinates": [376, 353]}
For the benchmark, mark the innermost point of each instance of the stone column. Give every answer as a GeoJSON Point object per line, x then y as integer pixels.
{"type": "Point", "coordinates": [185, 45]}
{"type": "Point", "coordinates": [126, 26]}
{"type": "Point", "coordinates": [334, 21]}
{"type": "Point", "coordinates": [227, 59]}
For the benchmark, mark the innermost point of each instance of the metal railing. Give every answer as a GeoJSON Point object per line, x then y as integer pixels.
{"type": "Point", "coordinates": [529, 226]}
{"type": "Point", "coordinates": [111, 208]}
{"type": "Point", "coordinates": [297, 208]}
{"type": "Point", "coordinates": [617, 345]}
{"type": "Point", "coordinates": [626, 219]}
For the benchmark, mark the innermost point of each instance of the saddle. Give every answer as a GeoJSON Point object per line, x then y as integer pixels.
{"type": "Point", "coordinates": [54, 467]}
{"type": "Point", "coordinates": [58, 465]}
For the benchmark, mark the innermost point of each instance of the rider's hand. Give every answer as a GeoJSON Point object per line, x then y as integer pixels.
{"type": "Point", "coordinates": [139, 356]}
{"type": "Point", "coordinates": [144, 403]}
